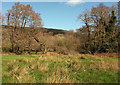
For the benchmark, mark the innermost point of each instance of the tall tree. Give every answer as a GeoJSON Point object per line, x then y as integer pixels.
{"type": "Point", "coordinates": [85, 17]}
{"type": "Point", "coordinates": [101, 16]}
{"type": "Point", "coordinates": [110, 32]}
{"type": "Point", "coordinates": [19, 16]}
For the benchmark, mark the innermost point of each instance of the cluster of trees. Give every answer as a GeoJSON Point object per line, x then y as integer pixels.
{"type": "Point", "coordinates": [100, 33]}
{"type": "Point", "coordinates": [100, 30]}
{"type": "Point", "coordinates": [18, 17]}
{"type": "Point", "coordinates": [18, 38]}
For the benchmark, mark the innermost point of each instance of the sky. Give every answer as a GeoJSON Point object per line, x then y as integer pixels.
{"type": "Point", "coordinates": [59, 15]}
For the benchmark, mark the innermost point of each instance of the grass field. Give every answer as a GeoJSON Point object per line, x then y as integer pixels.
{"type": "Point", "coordinates": [58, 69]}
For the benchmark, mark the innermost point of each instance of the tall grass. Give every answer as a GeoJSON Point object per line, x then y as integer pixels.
{"type": "Point", "coordinates": [61, 69]}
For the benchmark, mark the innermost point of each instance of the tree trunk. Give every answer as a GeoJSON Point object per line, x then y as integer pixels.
{"type": "Point", "coordinates": [12, 41]}
{"type": "Point", "coordinates": [24, 24]}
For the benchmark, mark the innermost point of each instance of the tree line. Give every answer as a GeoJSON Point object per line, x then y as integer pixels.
{"type": "Point", "coordinates": [99, 33]}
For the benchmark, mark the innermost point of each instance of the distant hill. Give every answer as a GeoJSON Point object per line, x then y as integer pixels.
{"type": "Point", "coordinates": [54, 31]}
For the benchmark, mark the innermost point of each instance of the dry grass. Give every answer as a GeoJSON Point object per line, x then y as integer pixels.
{"type": "Point", "coordinates": [57, 69]}
{"type": "Point", "coordinates": [106, 54]}
{"type": "Point", "coordinates": [109, 65]}
{"type": "Point", "coordinates": [52, 58]}
{"type": "Point", "coordinates": [44, 67]}
{"type": "Point", "coordinates": [60, 76]}
{"type": "Point", "coordinates": [21, 74]}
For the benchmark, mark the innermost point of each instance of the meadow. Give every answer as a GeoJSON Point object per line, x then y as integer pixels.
{"type": "Point", "coordinates": [59, 69]}
{"type": "Point", "coordinates": [34, 52]}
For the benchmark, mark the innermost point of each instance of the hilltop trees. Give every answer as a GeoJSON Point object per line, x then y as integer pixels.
{"type": "Point", "coordinates": [101, 22]}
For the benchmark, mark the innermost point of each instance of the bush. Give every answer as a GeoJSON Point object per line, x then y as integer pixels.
{"type": "Point", "coordinates": [62, 50]}
{"type": "Point", "coordinates": [6, 49]}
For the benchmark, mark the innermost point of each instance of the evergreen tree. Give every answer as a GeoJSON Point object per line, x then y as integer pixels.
{"type": "Point", "coordinates": [110, 43]}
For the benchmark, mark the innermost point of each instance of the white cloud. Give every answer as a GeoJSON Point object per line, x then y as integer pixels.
{"type": "Point", "coordinates": [74, 2]}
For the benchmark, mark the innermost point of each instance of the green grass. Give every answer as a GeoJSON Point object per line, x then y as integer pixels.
{"type": "Point", "coordinates": [58, 69]}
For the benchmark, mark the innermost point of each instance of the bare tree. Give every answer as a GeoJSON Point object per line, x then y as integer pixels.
{"type": "Point", "coordinates": [86, 18]}
{"type": "Point", "coordinates": [19, 16]}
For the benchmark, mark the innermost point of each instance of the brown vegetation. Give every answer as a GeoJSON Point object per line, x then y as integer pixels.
{"type": "Point", "coordinates": [99, 35]}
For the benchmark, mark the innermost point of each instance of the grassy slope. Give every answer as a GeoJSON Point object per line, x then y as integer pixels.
{"type": "Point", "coordinates": [59, 69]}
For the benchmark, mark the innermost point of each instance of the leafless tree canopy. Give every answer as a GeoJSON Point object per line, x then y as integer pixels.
{"type": "Point", "coordinates": [21, 15]}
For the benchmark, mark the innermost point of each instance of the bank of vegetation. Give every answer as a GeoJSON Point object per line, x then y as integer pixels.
{"type": "Point", "coordinates": [24, 32]}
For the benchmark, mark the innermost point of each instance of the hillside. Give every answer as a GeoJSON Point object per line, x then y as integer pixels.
{"type": "Point", "coordinates": [54, 31]}
{"type": "Point", "coordinates": [38, 40]}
